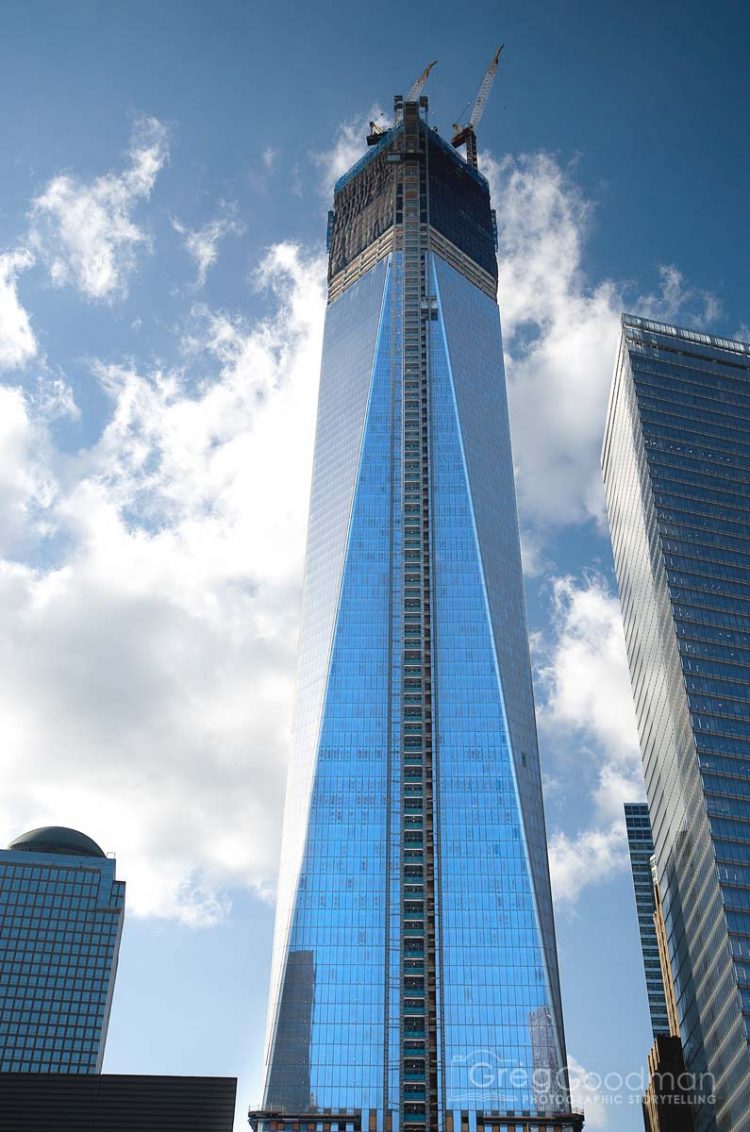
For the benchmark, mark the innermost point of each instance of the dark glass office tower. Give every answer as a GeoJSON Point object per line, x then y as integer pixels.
{"type": "Point", "coordinates": [676, 463]}
{"type": "Point", "coordinates": [61, 914]}
{"type": "Point", "coordinates": [415, 980]}
{"type": "Point", "coordinates": [641, 849]}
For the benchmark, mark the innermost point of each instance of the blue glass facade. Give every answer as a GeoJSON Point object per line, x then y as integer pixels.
{"type": "Point", "coordinates": [641, 850]}
{"type": "Point", "coordinates": [415, 978]}
{"type": "Point", "coordinates": [61, 914]}
{"type": "Point", "coordinates": [495, 973]}
{"type": "Point", "coordinates": [676, 463]}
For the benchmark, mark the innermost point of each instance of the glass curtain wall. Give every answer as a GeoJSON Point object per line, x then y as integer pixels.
{"type": "Point", "coordinates": [676, 463]}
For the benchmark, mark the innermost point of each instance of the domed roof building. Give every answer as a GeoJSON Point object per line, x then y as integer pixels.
{"type": "Point", "coordinates": [62, 916]}
{"type": "Point", "coordinates": [57, 839]}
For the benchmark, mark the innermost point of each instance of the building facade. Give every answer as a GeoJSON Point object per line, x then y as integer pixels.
{"type": "Point", "coordinates": [667, 1104]}
{"type": "Point", "coordinates": [70, 1102]}
{"type": "Point", "coordinates": [415, 981]}
{"type": "Point", "coordinates": [641, 849]}
{"type": "Point", "coordinates": [61, 915]}
{"type": "Point", "coordinates": [676, 462]}
{"type": "Point", "coordinates": [663, 945]}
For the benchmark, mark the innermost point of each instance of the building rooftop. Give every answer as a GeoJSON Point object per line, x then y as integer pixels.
{"type": "Point", "coordinates": [57, 839]}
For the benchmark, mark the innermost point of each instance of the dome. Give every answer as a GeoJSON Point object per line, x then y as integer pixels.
{"type": "Point", "coordinates": [57, 839]}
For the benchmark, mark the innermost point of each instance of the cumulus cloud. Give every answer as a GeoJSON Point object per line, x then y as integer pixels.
{"type": "Point", "coordinates": [677, 299]}
{"type": "Point", "coordinates": [583, 677]}
{"type": "Point", "coordinates": [561, 335]}
{"type": "Point", "coordinates": [27, 487]}
{"type": "Point", "coordinates": [53, 399]}
{"type": "Point", "coordinates": [17, 341]}
{"type": "Point", "coordinates": [149, 696]}
{"type": "Point", "coordinates": [85, 232]}
{"type": "Point", "coordinates": [585, 1094]}
{"type": "Point", "coordinates": [591, 857]}
{"type": "Point", "coordinates": [202, 244]}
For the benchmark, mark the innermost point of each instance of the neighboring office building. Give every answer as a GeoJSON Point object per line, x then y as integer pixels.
{"type": "Point", "coordinates": [641, 848]}
{"type": "Point", "coordinates": [673, 1019]}
{"type": "Point", "coordinates": [667, 1104]}
{"type": "Point", "coordinates": [68, 1102]}
{"type": "Point", "coordinates": [676, 463]}
{"type": "Point", "coordinates": [61, 915]}
{"type": "Point", "coordinates": [415, 961]}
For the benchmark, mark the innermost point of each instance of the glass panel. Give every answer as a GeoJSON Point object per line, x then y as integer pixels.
{"type": "Point", "coordinates": [496, 1001]}
{"type": "Point", "coordinates": [472, 331]}
{"type": "Point", "coordinates": [676, 463]}
{"type": "Point", "coordinates": [349, 343]}
{"type": "Point", "coordinates": [329, 1046]}
{"type": "Point", "coordinates": [60, 928]}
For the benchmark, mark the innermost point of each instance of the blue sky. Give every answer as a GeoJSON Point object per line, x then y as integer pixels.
{"type": "Point", "coordinates": [165, 172]}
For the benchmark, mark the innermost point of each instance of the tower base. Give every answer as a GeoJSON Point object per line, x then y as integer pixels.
{"type": "Point", "coordinates": [274, 1120]}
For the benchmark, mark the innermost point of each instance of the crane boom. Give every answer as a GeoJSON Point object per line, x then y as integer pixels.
{"type": "Point", "coordinates": [485, 88]}
{"type": "Point", "coordinates": [466, 135]}
{"type": "Point", "coordinates": [417, 87]}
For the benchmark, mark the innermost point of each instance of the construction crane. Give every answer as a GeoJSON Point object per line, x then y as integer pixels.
{"type": "Point", "coordinates": [416, 89]}
{"type": "Point", "coordinates": [466, 135]}
{"type": "Point", "coordinates": [376, 130]}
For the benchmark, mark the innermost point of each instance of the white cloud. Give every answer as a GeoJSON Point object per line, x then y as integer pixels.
{"type": "Point", "coordinates": [85, 231]}
{"type": "Point", "coordinates": [577, 863]}
{"type": "Point", "coordinates": [533, 554]}
{"type": "Point", "coordinates": [17, 341]}
{"type": "Point", "coordinates": [149, 696]}
{"type": "Point", "coordinates": [269, 156]}
{"type": "Point", "coordinates": [585, 684]}
{"type": "Point", "coordinates": [27, 486]}
{"type": "Point", "coordinates": [585, 674]}
{"type": "Point", "coordinates": [561, 335]}
{"type": "Point", "coordinates": [348, 146]}
{"type": "Point", "coordinates": [54, 400]}
{"type": "Point", "coordinates": [202, 244]}
{"type": "Point", "coordinates": [677, 299]}
{"type": "Point", "coordinates": [586, 1095]}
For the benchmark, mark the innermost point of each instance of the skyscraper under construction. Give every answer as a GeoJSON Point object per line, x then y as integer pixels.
{"type": "Point", "coordinates": [415, 981]}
